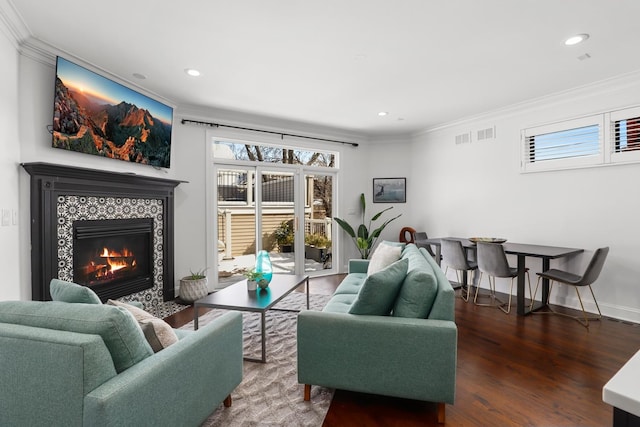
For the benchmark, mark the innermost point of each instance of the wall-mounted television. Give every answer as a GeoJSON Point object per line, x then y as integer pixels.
{"type": "Point", "coordinates": [96, 115]}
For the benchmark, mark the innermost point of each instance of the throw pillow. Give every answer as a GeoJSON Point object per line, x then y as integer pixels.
{"type": "Point", "coordinates": [416, 296]}
{"type": "Point", "coordinates": [382, 257]}
{"type": "Point", "coordinates": [72, 292]}
{"type": "Point", "coordinates": [379, 291]}
{"type": "Point", "coordinates": [158, 333]}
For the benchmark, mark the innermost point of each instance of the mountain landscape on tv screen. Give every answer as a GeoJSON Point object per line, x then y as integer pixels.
{"type": "Point", "coordinates": [121, 131]}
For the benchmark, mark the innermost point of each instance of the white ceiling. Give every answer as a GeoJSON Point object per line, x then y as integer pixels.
{"type": "Point", "coordinates": [338, 63]}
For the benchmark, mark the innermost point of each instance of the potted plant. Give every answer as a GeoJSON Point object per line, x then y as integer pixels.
{"type": "Point", "coordinates": [363, 239]}
{"type": "Point", "coordinates": [253, 277]}
{"type": "Point", "coordinates": [284, 236]}
{"type": "Point", "coordinates": [194, 286]}
{"type": "Point", "coordinates": [315, 246]}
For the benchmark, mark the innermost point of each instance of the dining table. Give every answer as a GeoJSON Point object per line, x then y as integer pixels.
{"type": "Point", "coordinates": [521, 251]}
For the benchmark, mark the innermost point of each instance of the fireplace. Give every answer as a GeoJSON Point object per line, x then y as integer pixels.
{"type": "Point", "coordinates": [68, 204]}
{"type": "Point", "coordinates": [114, 257]}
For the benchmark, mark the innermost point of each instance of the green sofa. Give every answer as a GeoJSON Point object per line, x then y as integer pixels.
{"type": "Point", "coordinates": [411, 357]}
{"type": "Point", "coordinates": [66, 364]}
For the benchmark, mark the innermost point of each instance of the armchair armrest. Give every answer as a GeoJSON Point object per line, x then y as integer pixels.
{"type": "Point", "coordinates": [393, 356]}
{"type": "Point", "coordinates": [200, 370]}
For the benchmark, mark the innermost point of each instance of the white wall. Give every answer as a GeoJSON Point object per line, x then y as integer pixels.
{"type": "Point", "coordinates": [9, 160]}
{"type": "Point", "coordinates": [477, 189]}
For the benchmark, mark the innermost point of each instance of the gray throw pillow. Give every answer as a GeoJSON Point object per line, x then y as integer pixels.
{"type": "Point", "coordinates": [72, 292]}
{"type": "Point", "coordinates": [379, 290]}
{"type": "Point", "coordinates": [157, 332]}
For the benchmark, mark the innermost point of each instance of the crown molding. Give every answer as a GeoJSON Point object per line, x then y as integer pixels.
{"type": "Point", "coordinates": [12, 24]}
{"type": "Point", "coordinates": [601, 87]}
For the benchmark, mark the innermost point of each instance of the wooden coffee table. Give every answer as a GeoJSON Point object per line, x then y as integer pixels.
{"type": "Point", "coordinates": [236, 297]}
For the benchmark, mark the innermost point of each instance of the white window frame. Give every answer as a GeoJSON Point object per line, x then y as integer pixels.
{"type": "Point", "coordinates": [607, 155]}
{"type": "Point", "coordinates": [623, 156]}
{"type": "Point", "coordinates": [527, 165]}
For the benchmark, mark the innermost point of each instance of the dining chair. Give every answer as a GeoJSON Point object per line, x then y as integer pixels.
{"type": "Point", "coordinates": [419, 239]}
{"type": "Point", "coordinates": [590, 275]}
{"type": "Point", "coordinates": [455, 256]}
{"type": "Point", "coordinates": [492, 261]}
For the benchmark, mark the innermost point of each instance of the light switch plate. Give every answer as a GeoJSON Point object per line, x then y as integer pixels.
{"type": "Point", "coordinates": [6, 217]}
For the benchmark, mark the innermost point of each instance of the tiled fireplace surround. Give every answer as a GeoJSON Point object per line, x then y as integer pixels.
{"type": "Point", "coordinates": [63, 194]}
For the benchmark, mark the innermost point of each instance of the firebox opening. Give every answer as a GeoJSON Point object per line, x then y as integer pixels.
{"type": "Point", "coordinates": [113, 257]}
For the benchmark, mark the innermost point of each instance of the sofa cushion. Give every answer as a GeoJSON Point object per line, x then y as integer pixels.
{"type": "Point", "coordinates": [351, 284]}
{"type": "Point", "coordinates": [72, 292]}
{"type": "Point", "coordinates": [156, 331]}
{"type": "Point", "coordinates": [340, 303]}
{"type": "Point", "coordinates": [379, 290]}
{"type": "Point", "coordinates": [383, 256]}
{"type": "Point", "coordinates": [117, 327]}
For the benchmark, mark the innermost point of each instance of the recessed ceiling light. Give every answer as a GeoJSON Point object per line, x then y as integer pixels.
{"type": "Point", "coordinates": [382, 113]}
{"type": "Point", "coordinates": [578, 38]}
{"type": "Point", "coordinates": [139, 76]}
{"type": "Point", "coordinates": [192, 72]}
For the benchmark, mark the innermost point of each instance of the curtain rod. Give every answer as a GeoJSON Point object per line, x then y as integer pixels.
{"type": "Point", "coordinates": [282, 135]}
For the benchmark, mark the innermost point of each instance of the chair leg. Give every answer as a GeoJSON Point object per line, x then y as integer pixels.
{"type": "Point", "coordinates": [475, 298]}
{"type": "Point", "coordinates": [508, 310]}
{"type": "Point", "coordinates": [596, 302]}
{"type": "Point", "coordinates": [495, 302]}
{"type": "Point", "coordinates": [586, 318]}
{"type": "Point", "coordinates": [464, 293]}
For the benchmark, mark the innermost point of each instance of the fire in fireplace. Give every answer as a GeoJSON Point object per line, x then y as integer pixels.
{"type": "Point", "coordinates": [113, 257]}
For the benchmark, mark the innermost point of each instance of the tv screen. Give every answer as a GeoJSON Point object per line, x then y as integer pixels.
{"type": "Point", "coordinates": [95, 115]}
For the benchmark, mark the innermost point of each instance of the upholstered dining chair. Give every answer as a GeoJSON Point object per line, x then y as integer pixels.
{"type": "Point", "coordinates": [455, 256]}
{"type": "Point", "coordinates": [419, 239]}
{"type": "Point", "coordinates": [492, 261]}
{"type": "Point", "coordinates": [591, 274]}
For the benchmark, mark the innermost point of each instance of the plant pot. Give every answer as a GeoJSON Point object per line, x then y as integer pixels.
{"type": "Point", "coordinates": [251, 285]}
{"type": "Point", "coordinates": [191, 290]}
{"type": "Point", "coordinates": [314, 253]}
{"type": "Point", "coordinates": [285, 249]}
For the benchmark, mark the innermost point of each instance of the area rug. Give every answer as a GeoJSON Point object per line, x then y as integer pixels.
{"type": "Point", "coordinates": [269, 394]}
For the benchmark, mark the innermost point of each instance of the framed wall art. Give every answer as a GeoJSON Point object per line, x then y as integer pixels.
{"type": "Point", "coordinates": [389, 190]}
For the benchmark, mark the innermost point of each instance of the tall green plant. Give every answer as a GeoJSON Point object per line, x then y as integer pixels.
{"type": "Point", "coordinates": [363, 239]}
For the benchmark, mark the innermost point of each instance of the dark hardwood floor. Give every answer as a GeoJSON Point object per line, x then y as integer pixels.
{"type": "Point", "coordinates": [538, 370]}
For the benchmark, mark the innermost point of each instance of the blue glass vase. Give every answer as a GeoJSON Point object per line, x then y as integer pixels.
{"type": "Point", "coordinates": [263, 266]}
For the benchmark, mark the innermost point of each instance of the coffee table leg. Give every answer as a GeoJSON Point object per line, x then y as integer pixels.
{"type": "Point", "coordinates": [264, 339]}
{"type": "Point", "coordinates": [307, 292]}
{"type": "Point", "coordinates": [195, 317]}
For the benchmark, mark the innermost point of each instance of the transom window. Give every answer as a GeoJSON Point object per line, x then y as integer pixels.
{"type": "Point", "coordinates": [602, 139]}
{"type": "Point", "coordinates": [273, 154]}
